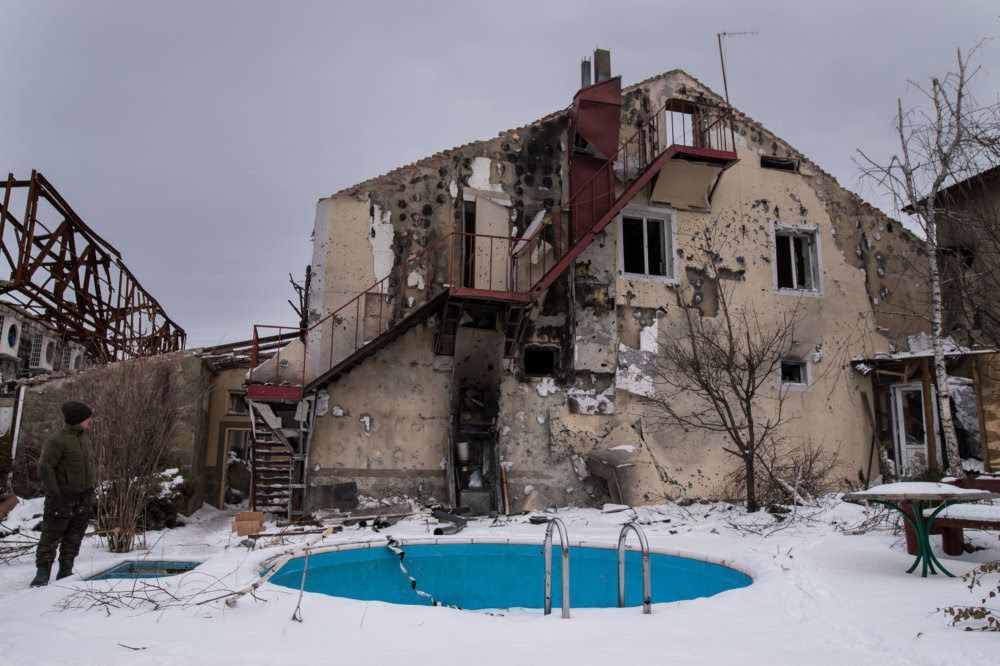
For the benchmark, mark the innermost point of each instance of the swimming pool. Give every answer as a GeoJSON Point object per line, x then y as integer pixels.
{"type": "Point", "coordinates": [477, 576]}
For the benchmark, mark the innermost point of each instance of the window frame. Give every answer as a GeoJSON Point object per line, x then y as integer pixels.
{"type": "Point", "coordinates": [816, 258]}
{"type": "Point", "coordinates": [668, 218]}
{"type": "Point", "coordinates": [806, 374]}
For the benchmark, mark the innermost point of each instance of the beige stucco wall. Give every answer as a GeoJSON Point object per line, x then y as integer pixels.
{"type": "Point", "coordinates": [387, 423]}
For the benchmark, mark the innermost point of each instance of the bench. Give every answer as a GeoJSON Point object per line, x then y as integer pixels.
{"type": "Point", "coordinates": [953, 520]}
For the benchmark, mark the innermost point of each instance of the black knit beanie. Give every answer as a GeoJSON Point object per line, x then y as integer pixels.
{"type": "Point", "coordinates": [75, 412]}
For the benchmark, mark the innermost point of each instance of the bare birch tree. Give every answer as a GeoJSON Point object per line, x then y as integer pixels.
{"type": "Point", "coordinates": [946, 140]}
{"type": "Point", "coordinates": [720, 375]}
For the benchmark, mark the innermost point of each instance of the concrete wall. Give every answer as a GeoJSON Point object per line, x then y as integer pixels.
{"type": "Point", "coordinates": [189, 376]}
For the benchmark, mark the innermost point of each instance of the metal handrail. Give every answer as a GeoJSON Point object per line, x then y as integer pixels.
{"type": "Point", "coordinates": [564, 543]}
{"type": "Point", "coordinates": [647, 597]}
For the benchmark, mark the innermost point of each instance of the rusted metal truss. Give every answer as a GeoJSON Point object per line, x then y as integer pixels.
{"type": "Point", "coordinates": [62, 273]}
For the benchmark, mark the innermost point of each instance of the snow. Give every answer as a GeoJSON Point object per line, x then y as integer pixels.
{"type": "Point", "coordinates": [820, 596]}
{"type": "Point", "coordinates": [918, 488]}
{"type": "Point", "coordinates": [623, 447]}
{"type": "Point", "coordinates": [970, 512]}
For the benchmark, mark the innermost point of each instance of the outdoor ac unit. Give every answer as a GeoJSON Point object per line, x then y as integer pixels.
{"type": "Point", "coordinates": [10, 335]}
{"type": "Point", "coordinates": [43, 352]}
{"type": "Point", "coordinates": [72, 357]}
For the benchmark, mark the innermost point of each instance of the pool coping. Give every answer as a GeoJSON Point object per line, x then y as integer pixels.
{"type": "Point", "coordinates": [519, 541]}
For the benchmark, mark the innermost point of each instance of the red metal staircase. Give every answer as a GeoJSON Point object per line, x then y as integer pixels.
{"type": "Point", "coordinates": [605, 175]}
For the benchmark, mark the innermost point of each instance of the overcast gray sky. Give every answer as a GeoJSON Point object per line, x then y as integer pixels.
{"type": "Point", "coordinates": [196, 136]}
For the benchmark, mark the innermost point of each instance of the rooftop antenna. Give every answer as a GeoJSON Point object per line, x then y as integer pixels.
{"type": "Point", "coordinates": [722, 59]}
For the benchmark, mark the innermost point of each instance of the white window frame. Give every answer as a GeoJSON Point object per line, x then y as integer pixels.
{"type": "Point", "coordinates": [817, 254]}
{"type": "Point", "coordinates": [669, 218]}
{"type": "Point", "coordinates": [806, 372]}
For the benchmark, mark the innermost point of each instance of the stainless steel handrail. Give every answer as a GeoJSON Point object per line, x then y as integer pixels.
{"type": "Point", "coordinates": [647, 598]}
{"type": "Point", "coordinates": [564, 543]}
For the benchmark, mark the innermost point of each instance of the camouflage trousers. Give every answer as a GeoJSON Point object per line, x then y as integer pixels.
{"type": "Point", "coordinates": [63, 524]}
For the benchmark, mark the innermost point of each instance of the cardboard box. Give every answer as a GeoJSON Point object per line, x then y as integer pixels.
{"type": "Point", "coordinates": [248, 522]}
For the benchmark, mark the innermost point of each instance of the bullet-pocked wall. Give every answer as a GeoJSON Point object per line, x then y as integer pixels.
{"type": "Point", "coordinates": [575, 407]}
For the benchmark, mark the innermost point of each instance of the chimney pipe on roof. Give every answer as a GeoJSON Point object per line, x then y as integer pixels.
{"type": "Point", "coordinates": [585, 73]}
{"type": "Point", "coordinates": [602, 65]}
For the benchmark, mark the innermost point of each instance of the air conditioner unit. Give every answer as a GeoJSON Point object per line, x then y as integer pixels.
{"type": "Point", "coordinates": [73, 357]}
{"type": "Point", "coordinates": [43, 352]}
{"type": "Point", "coordinates": [10, 335]}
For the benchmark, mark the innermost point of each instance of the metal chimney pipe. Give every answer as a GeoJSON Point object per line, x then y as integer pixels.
{"type": "Point", "coordinates": [602, 65]}
{"type": "Point", "coordinates": [585, 73]}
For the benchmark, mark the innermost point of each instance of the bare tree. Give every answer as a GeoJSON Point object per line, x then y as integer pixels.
{"type": "Point", "coordinates": [948, 140]}
{"type": "Point", "coordinates": [135, 417]}
{"type": "Point", "coordinates": [720, 374]}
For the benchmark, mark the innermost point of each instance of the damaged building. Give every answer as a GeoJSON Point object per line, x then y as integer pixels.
{"type": "Point", "coordinates": [484, 323]}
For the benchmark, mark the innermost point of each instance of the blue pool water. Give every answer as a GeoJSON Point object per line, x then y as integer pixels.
{"type": "Point", "coordinates": [481, 576]}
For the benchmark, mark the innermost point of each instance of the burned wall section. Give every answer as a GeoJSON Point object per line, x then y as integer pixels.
{"type": "Point", "coordinates": [389, 423]}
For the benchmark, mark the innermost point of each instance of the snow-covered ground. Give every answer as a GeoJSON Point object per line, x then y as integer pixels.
{"type": "Point", "coordinates": [820, 596]}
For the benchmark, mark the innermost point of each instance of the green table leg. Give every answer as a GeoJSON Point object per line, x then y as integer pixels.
{"type": "Point", "coordinates": [922, 528]}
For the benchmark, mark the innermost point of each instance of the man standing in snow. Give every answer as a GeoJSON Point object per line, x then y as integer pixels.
{"type": "Point", "coordinates": [66, 469]}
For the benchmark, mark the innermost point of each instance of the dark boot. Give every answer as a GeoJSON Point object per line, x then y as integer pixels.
{"type": "Point", "coordinates": [42, 577]}
{"type": "Point", "coordinates": [65, 569]}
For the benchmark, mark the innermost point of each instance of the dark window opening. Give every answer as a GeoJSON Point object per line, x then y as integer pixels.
{"type": "Point", "coordinates": [779, 163]}
{"type": "Point", "coordinates": [656, 250]}
{"type": "Point", "coordinates": [469, 272]}
{"type": "Point", "coordinates": [632, 244]}
{"type": "Point", "coordinates": [793, 372]}
{"type": "Point", "coordinates": [795, 254]}
{"type": "Point", "coordinates": [645, 247]}
{"type": "Point", "coordinates": [539, 361]}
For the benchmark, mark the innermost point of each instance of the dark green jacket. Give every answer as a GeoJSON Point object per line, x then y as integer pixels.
{"type": "Point", "coordinates": [67, 462]}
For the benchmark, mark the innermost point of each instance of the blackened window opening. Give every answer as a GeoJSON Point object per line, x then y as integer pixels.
{"type": "Point", "coordinates": [795, 254]}
{"type": "Point", "coordinates": [469, 265]}
{"type": "Point", "coordinates": [779, 163]}
{"type": "Point", "coordinates": [655, 248]}
{"type": "Point", "coordinates": [633, 245]}
{"type": "Point", "coordinates": [539, 361]}
{"type": "Point", "coordinates": [793, 372]}
{"type": "Point", "coordinates": [645, 246]}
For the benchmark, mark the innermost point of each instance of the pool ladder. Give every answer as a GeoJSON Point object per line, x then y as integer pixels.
{"type": "Point", "coordinates": [647, 597]}
{"type": "Point", "coordinates": [556, 523]}
{"type": "Point", "coordinates": [564, 544]}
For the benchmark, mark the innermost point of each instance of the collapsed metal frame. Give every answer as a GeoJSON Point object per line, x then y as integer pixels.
{"type": "Point", "coordinates": [64, 274]}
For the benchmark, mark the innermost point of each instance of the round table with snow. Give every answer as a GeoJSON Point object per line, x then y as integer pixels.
{"type": "Point", "coordinates": [920, 502]}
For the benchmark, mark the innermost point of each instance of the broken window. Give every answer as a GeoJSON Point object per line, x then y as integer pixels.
{"type": "Point", "coordinates": [779, 163]}
{"type": "Point", "coordinates": [794, 372]}
{"type": "Point", "coordinates": [645, 246]}
{"type": "Point", "coordinates": [539, 361]}
{"type": "Point", "coordinates": [796, 260]}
